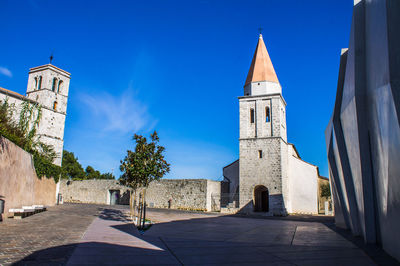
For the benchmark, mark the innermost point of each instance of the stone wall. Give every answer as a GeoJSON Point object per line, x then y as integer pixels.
{"type": "Point", "coordinates": [187, 194]}
{"type": "Point", "coordinates": [19, 185]}
{"type": "Point", "coordinates": [92, 191]}
{"type": "Point", "coordinates": [265, 171]}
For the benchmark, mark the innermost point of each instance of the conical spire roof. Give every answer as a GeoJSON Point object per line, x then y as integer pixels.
{"type": "Point", "coordinates": [261, 68]}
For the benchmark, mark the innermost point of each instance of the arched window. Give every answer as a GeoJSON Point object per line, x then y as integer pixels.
{"type": "Point", "coordinates": [252, 115]}
{"type": "Point", "coordinates": [53, 87]}
{"type": "Point", "coordinates": [36, 83]}
{"type": "Point", "coordinates": [40, 83]}
{"type": "Point", "coordinates": [267, 114]}
{"type": "Point", "coordinates": [55, 105]}
{"type": "Point", "coordinates": [59, 86]}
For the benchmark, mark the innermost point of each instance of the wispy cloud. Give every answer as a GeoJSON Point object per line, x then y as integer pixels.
{"type": "Point", "coordinates": [5, 71]}
{"type": "Point", "coordinates": [123, 113]}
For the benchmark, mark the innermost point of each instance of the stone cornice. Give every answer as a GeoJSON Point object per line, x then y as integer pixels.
{"type": "Point", "coordinates": [250, 97]}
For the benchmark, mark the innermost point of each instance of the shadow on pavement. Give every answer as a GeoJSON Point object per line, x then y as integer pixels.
{"type": "Point", "coordinates": [88, 254]}
{"type": "Point", "coordinates": [58, 255]}
{"type": "Point", "coordinates": [114, 215]}
{"type": "Point", "coordinates": [219, 240]}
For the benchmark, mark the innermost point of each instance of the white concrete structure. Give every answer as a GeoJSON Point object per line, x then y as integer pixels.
{"type": "Point", "coordinates": [270, 177]}
{"type": "Point", "coordinates": [363, 135]}
{"type": "Point", "coordinates": [48, 86]}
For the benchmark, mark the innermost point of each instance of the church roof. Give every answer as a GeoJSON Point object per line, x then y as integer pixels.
{"type": "Point", "coordinates": [11, 93]}
{"type": "Point", "coordinates": [261, 68]}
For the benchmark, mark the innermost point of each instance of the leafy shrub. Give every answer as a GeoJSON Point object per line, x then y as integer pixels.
{"type": "Point", "coordinates": [22, 132]}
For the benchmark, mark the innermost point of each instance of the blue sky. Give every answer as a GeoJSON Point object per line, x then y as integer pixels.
{"type": "Point", "coordinates": [177, 67]}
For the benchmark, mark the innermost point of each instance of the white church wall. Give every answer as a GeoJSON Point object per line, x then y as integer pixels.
{"type": "Point", "coordinates": [53, 103]}
{"type": "Point", "coordinates": [285, 174]}
{"type": "Point", "coordinates": [303, 185]}
{"type": "Point", "coordinates": [12, 101]}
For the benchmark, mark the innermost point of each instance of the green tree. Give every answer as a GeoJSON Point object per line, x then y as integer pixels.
{"type": "Point", "coordinates": [145, 164]}
{"type": "Point", "coordinates": [107, 176]}
{"type": "Point", "coordinates": [140, 167]}
{"type": "Point", "coordinates": [71, 168]}
{"type": "Point", "coordinates": [23, 133]}
{"type": "Point", "coordinates": [325, 190]}
{"type": "Point", "coordinates": [91, 173]}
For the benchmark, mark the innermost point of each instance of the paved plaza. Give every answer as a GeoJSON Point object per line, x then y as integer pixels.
{"type": "Point", "coordinates": [75, 234]}
{"type": "Point", "coordinates": [62, 225]}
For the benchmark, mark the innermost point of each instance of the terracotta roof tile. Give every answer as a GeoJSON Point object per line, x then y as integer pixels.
{"type": "Point", "coordinates": [261, 68]}
{"type": "Point", "coordinates": [11, 92]}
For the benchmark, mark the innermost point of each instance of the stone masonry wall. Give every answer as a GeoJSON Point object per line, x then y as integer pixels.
{"type": "Point", "coordinates": [19, 185]}
{"type": "Point", "coordinates": [264, 171]}
{"type": "Point", "coordinates": [51, 126]}
{"type": "Point", "coordinates": [187, 194]}
{"type": "Point", "coordinates": [92, 191]}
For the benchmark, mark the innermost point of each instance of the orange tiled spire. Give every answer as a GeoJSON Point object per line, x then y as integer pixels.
{"type": "Point", "coordinates": [261, 68]}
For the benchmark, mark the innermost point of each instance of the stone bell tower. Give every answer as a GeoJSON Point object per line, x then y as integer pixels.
{"type": "Point", "coordinates": [262, 140]}
{"type": "Point", "coordinates": [48, 85]}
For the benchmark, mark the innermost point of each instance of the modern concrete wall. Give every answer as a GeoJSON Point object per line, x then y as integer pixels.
{"type": "Point", "coordinates": [19, 185]}
{"type": "Point", "coordinates": [363, 136]}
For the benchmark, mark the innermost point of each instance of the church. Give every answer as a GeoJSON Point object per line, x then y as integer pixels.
{"type": "Point", "coordinates": [48, 86]}
{"type": "Point", "coordinates": [269, 178]}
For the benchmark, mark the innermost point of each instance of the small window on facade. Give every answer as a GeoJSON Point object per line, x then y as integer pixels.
{"type": "Point", "coordinates": [252, 115]}
{"type": "Point", "coordinates": [40, 83]}
{"type": "Point", "coordinates": [267, 115]}
{"type": "Point", "coordinates": [53, 87]}
{"type": "Point", "coordinates": [36, 83]}
{"type": "Point", "coordinates": [55, 105]}
{"type": "Point", "coordinates": [260, 154]}
{"type": "Point", "coordinates": [59, 86]}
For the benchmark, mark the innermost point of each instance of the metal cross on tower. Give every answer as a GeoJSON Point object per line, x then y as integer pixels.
{"type": "Point", "coordinates": [51, 58]}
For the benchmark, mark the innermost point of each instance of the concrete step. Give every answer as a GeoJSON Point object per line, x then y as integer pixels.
{"type": "Point", "coordinates": [229, 210]}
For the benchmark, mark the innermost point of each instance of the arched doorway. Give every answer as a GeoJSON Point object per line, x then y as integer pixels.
{"type": "Point", "coordinates": [261, 199]}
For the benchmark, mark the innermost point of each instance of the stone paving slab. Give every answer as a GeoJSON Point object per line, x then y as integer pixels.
{"type": "Point", "coordinates": [216, 240]}
{"type": "Point", "coordinates": [102, 235]}
{"type": "Point", "coordinates": [113, 239]}
{"type": "Point", "coordinates": [60, 226]}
